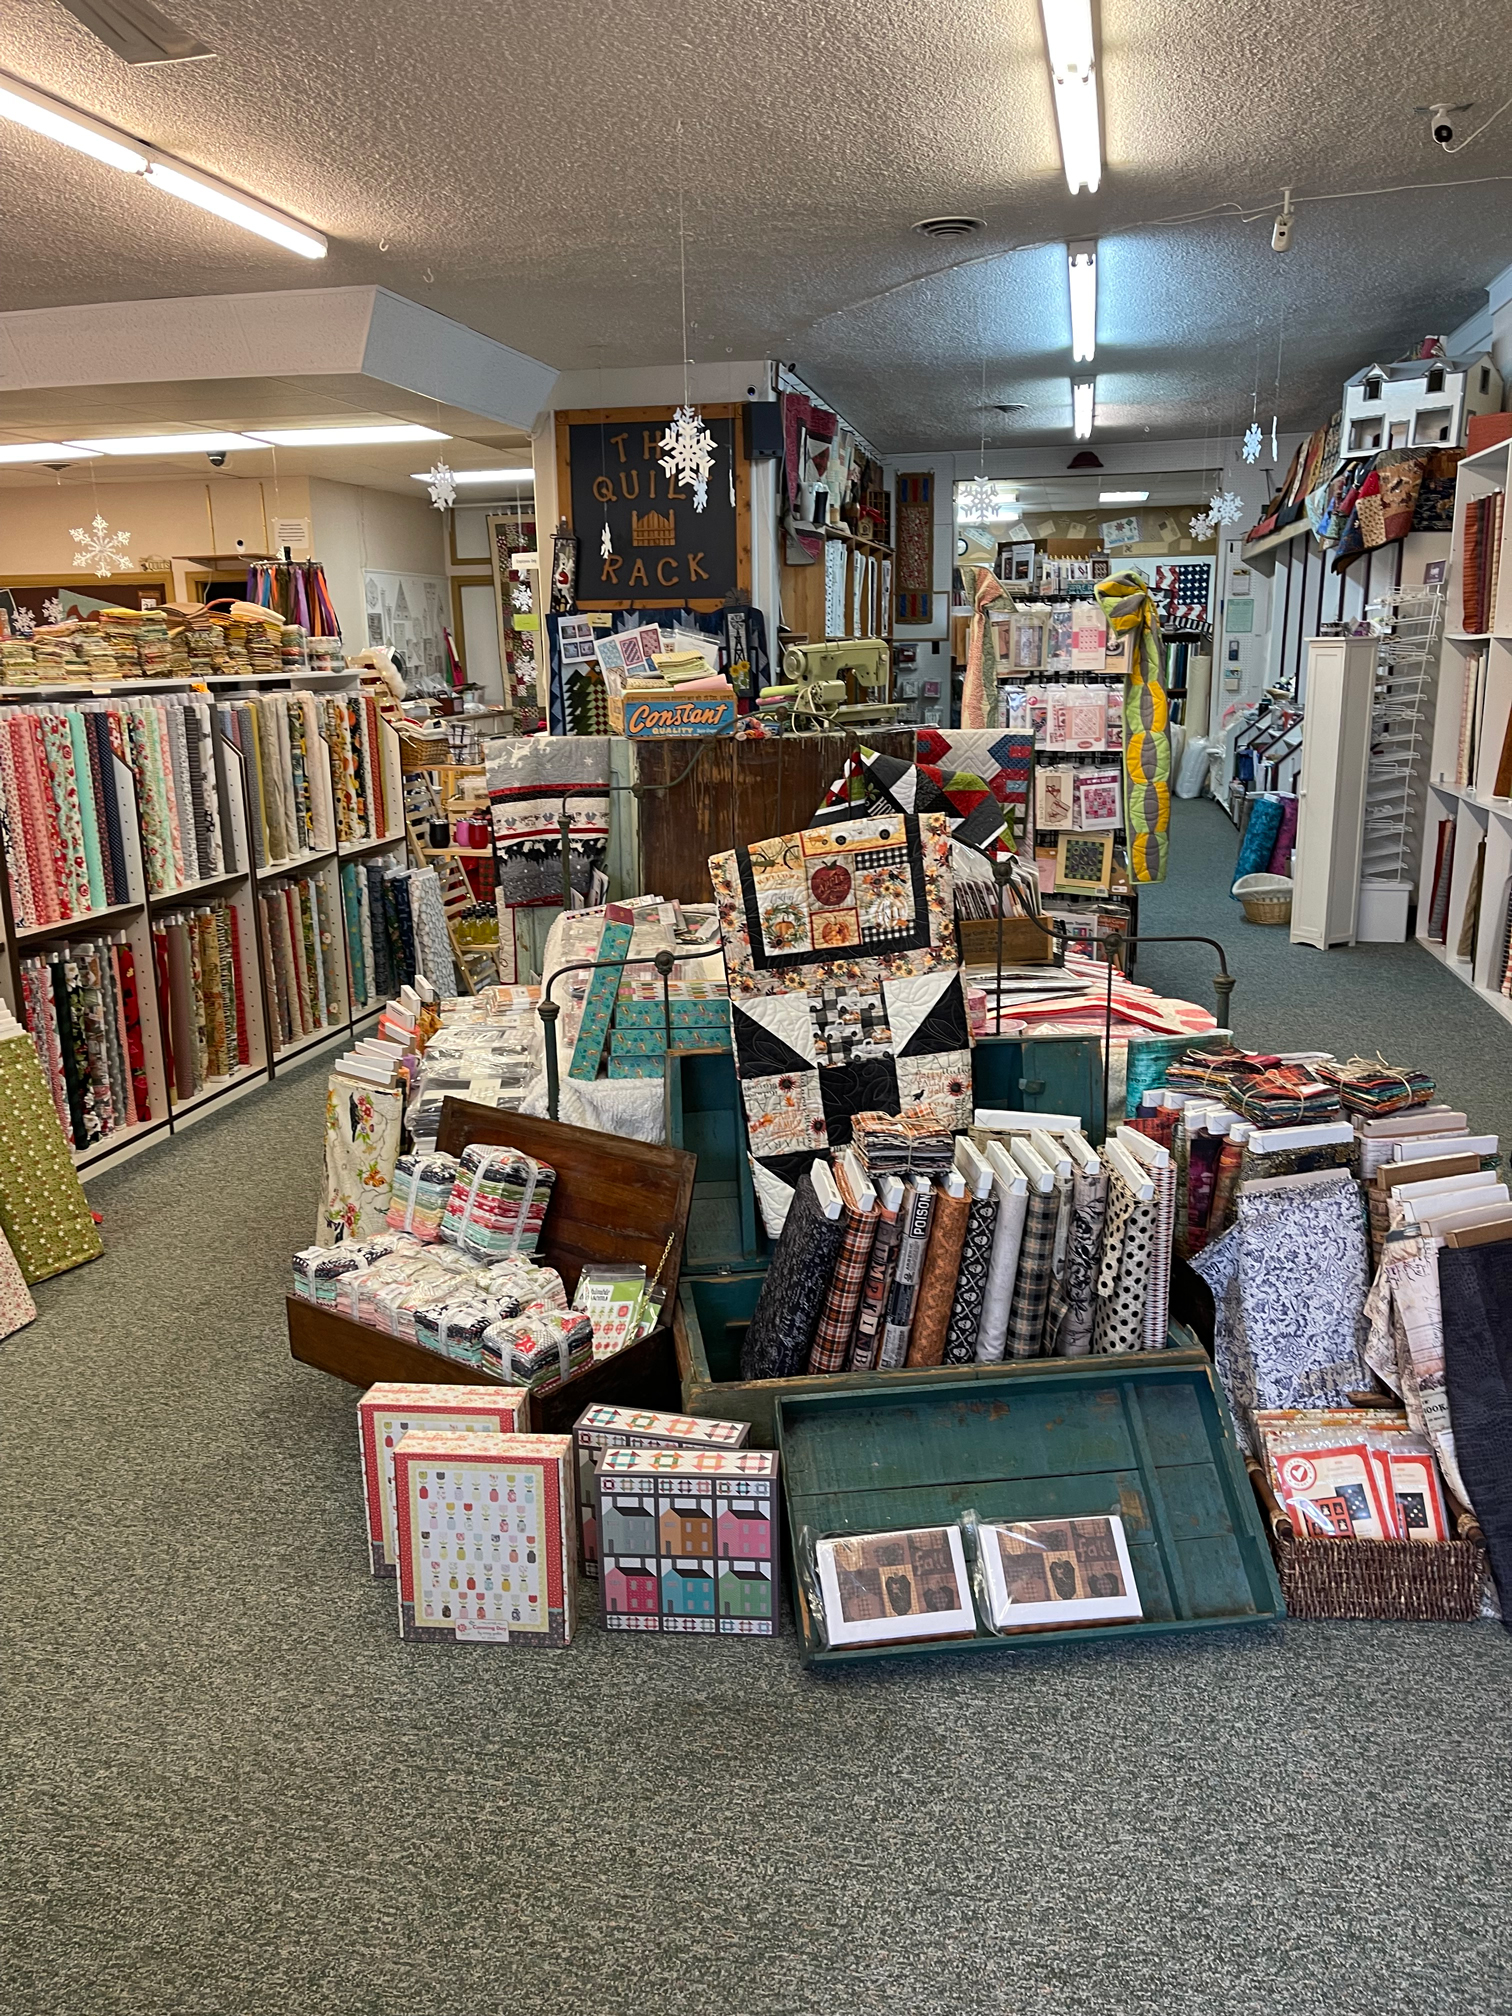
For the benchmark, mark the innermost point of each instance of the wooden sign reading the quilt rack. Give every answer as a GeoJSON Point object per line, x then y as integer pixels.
{"type": "Point", "coordinates": [665, 554]}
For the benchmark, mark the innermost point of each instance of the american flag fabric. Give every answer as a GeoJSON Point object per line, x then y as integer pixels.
{"type": "Point", "coordinates": [1182, 592]}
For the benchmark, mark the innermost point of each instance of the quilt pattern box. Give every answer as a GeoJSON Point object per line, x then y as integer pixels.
{"type": "Point", "coordinates": [385, 1415]}
{"type": "Point", "coordinates": [690, 1541]}
{"type": "Point", "coordinates": [602, 1427]}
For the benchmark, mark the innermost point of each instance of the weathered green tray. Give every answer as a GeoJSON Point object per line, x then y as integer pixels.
{"type": "Point", "coordinates": [1147, 1437]}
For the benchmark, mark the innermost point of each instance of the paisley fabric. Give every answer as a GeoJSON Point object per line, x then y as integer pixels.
{"type": "Point", "coordinates": [1289, 1281]}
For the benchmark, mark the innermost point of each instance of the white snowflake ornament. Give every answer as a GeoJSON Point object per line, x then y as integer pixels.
{"type": "Point", "coordinates": [1201, 526]}
{"type": "Point", "coordinates": [519, 596]}
{"type": "Point", "coordinates": [688, 453]}
{"type": "Point", "coordinates": [1225, 507]}
{"type": "Point", "coordinates": [978, 501]}
{"type": "Point", "coordinates": [1254, 441]}
{"type": "Point", "coordinates": [442, 485]}
{"type": "Point", "coordinates": [52, 609]}
{"type": "Point", "coordinates": [22, 622]}
{"type": "Point", "coordinates": [103, 550]}
{"type": "Point", "coordinates": [606, 542]}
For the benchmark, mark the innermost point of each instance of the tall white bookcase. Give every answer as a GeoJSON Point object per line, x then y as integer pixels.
{"type": "Point", "coordinates": [1331, 791]}
{"type": "Point", "coordinates": [1475, 672]}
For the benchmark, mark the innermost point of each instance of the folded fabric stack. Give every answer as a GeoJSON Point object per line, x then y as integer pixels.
{"type": "Point", "coordinates": [1288, 1095]}
{"type": "Point", "coordinates": [317, 1269]}
{"type": "Point", "coordinates": [530, 1284]}
{"type": "Point", "coordinates": [539, 1350]}
{"type": "Point", "coordinates": [1369, 1085]}
{"type": "Point", "coordinates": [498, 1203]}
{"type": "Point", "coordinates": [931, 1147]}
{"type": "Point", "coordinates": [455, 1325]}
{"type": "Point", "coordinates": [882, 1141]}
{"type": "Point", "coordinates": [385, 1295]}
{"type": "Point", "coordinates": [1218, 1070]}
{"type": "Point", "coordinates": [422, 1185]}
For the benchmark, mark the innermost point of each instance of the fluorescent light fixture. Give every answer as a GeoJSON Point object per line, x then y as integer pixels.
{"type": "Point", "coordinates": [479, 476]}
{"type": "Point", "coordinates": [70, 128]}
{"type": "Point", "coordinates": [1081, 275]}
{"type": "Point", "coordinates": [1082, 391]}
{"type": "Point", "coordinates": [166, 444]}
{"type": "Point", "coordinates": [344, 437]}
{"type": "Point", "coordinates": [18, 102]}
{"type": "Point", "coordinates": [1123, 496]}
{"type": "Point", "coordinates": [207, 194]}
{"type": "Point", "coordinates": [47, 451]}
{"type": "Point", "coordinates": [1073, 71]}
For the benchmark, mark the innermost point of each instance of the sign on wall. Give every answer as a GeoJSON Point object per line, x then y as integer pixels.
{"type": "Point", "coordinates": [665, 555]}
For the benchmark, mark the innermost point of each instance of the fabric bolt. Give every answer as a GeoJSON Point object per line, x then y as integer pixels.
{"type": "Point", "coordinates": [1158, 1304]}
{"type": "Point", "coordinates": [1286, 839]}
{"type": "Point", "coordinates": [1002, 1273]}
{"type": "Point", "coordinates": [1059, 1249]}
{"type": "Point", "coordinates": [939, 1280]}
{"type": "Point", "coordinates": [1031, 1288]}
{"type": "Point", "coordinates": [971, 1284]}
{"type": "Point", "coordinates": [94, 865]}
{"type": "Point", "coordinates": [866, 1347]}
{"type": "Point", "coordinates": [794, 1291]}
{"type": "Point", "coordinates": [1069, 1324]}
{"type": "Point", "coordinates": [1203, 1155]}
{"type": "Point", "coordinates": [361, 1149]}
{"type": "Point", "coordinates": [916, 1215]}
{"type": "Point", "coordinates": [1289, 1282]}
{"type": "Point", "coordinates": [1404, 1344]}
{"type": "Point", "coordinates": [432, 941]}
{"type": "Point", "coordinates": [57, 748]}
{"type": "Point", "coordinates": [1120, 1321]}
{"type": "Point", "coordinates": [43, 1212]}
{"type": "Point", "coordinates": [1475, 1284]}
{"type": "Point", "coordinates": [830, 1351]}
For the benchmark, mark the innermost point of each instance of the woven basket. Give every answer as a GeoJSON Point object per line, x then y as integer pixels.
{"type": "Point", "coordinates": [1392, 1581]}
{"type": "Point", "coordinates": [1265, 899]}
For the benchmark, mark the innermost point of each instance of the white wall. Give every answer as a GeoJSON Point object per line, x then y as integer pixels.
{"type": "Point", "coordinates": [355, 529]}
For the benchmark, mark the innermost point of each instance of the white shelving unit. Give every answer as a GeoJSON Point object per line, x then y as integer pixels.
{"type": "Point", "coordinates": [1341, 675]}
{"type": "Point", "coordinates": [1466, 802]}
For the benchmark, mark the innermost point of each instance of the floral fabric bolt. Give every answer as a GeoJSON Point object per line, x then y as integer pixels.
{"type": "Point", "coordinates": [361, 1149]}
{"type": "Point", "coordinates": [845, 996]}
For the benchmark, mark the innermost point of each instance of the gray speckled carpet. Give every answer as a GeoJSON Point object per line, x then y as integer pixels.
{"type": "Point", "coordinates": [231, 1789]}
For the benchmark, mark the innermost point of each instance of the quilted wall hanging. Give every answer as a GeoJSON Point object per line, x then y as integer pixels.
{"type": "Point", "coordinates": [845, 993]}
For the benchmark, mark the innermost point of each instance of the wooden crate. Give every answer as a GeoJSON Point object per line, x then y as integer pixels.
{"type": "Point", "coordinates": [613, 1200]}
{"type": "Point", "coordinates": [1145, 1436]}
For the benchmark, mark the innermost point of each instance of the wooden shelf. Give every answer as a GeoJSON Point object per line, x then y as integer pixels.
{"type": "Point", "coordinates": [78, 927]}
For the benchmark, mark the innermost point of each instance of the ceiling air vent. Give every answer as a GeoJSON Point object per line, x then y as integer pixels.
{"type": "Point", "coordinates": [950, 227]}
{"type": "Point", "coordinates": [136, 31]}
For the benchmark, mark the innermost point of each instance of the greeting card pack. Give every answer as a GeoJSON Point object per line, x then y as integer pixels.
{"type": "Point", "coordinates": [689, 1540]}
{"type": "Point", "coordinates": [487, 1528]}
{"type": "Point", "coordinates": [385, 1415]}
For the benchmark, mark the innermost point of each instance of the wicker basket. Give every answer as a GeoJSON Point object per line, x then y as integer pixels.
{"type": "Point", "coordinates": [1393, 1581]}
{"type": "Point", "coordinates": [1265, 899]}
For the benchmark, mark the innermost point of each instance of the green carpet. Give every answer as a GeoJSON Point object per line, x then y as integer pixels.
{"type": "Point", "coordinates": [233, 1792]}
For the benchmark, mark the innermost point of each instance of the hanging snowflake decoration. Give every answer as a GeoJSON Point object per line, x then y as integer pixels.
{"type": "Point", "coordinates": [978, 501]}
{"type": "Point", "coordinates": [1225, 507]}
{"type": "Point", "coordinates": [519, 596]}
{"type": "Point", "coordinates": [22, 622]}
{"type": "Point", "coordinates": [1200, 527]}
{"type": "Point", "coordinates": [688, 453]}
{"type": "Point", "coordinates": [442, 485]}
{"type": "Point", "coordinates": [52, 609]}
{"type": "Point", "coordinates": [1254, 441]}
{"type": "Point", "coordinates": [606, 542]}
{"type": "Point", "coordinates": [103, 550]}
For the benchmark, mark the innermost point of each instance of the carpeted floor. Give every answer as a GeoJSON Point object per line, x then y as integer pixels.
{"type": "Point", "coordinates": [231, 1788]}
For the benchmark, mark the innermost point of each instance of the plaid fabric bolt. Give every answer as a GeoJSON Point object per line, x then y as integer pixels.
{"type": "Point", "coordinates": [1031, 1292]}
{"type": "Point", "coordinates": [832, 1340]}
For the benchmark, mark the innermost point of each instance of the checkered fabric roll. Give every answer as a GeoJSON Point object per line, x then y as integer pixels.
{"type": "Point", "coordinates": [971, 1288]}
{"type": "Point", "coordinates": [837, 1326]}
{"type": "Point", "coordinates": [1031, 1291]}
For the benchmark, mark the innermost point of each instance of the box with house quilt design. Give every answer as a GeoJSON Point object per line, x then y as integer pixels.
{"type": "Point", "coordinates": [387, 1412]}
{"type": "Point", "coordinates": [845, 994]}
{"type": "Point", "coordinates": [689, 1541]}
{"type": "Point", "coordinates": [487, 1530]}
{"type": "Point", "coordinates": [601, 1428]}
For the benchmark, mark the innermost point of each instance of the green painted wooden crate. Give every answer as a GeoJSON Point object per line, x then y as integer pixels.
{"type": "Point", "coordinates": [1146, 1437]}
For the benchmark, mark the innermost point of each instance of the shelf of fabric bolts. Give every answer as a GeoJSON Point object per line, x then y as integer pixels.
{"type": "Point", "coordinates": [80, 927]}
{"type": "Point", "coordinates": [189, 890]}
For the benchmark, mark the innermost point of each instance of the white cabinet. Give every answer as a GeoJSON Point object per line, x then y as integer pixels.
{"type": "Point", "coordinates": [1331, 790]}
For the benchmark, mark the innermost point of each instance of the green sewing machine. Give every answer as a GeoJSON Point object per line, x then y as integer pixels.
{"type": "Point", "coordinates": [816, 691]}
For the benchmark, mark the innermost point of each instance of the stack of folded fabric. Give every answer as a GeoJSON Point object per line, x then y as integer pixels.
{"type": "Point", "coordinates": [882, 1141]}
{"type": "Point", "coordinates": [422, 1186]}
{"type": "Point", "coordinates": [455, 1325]}
{"type": "Point", "coordinates": [539, 1350]}
{"type": "Point", "coordinates": [1372, 1086]}
{"type": "Point", "coordinates": [931, 1147]}
{"type": "Point", "coordinates": [317, 1269]}
{"type": "Point", "coordinates": [1288, 1095]}
{"type": "Point", "coordinates": [386, 1295]}
{"type": "Point", "coordinates": [525, 1282]}
{"type": "Point", "coordinates": [498, 1203]}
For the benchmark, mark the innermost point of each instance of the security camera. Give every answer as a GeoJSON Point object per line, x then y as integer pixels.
{"type": "Point", "coordinates": [216, 457]}
{"type": "Point", "coordinates": [1281, 232]}
{"type": "Point", "coordinates": [1442, 122]}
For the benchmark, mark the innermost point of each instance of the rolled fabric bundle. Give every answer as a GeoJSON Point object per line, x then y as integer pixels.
{"type": "Point", "coordinates": [1260, 837]}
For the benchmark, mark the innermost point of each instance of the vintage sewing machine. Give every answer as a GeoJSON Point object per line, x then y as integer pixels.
{"type": "Point", "coordinates": [817, 686]}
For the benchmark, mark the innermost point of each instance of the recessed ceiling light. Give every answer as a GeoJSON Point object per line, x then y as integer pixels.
{"type": "Point", "coordinates": [344, 437]}
{"type": "Point", "coordinates": [1123, 496]}
{"type": "Point", "coordinates": [479, 476]}
{"type": "Point", "coordinates": [166, 444]}
{"type": "Point", "coordinates": [46, 451]}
